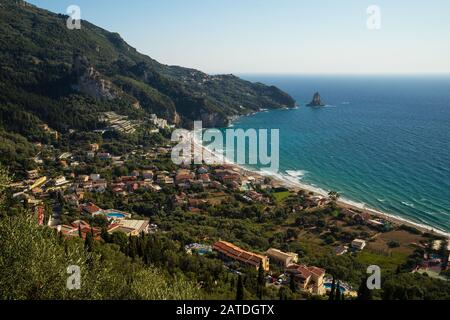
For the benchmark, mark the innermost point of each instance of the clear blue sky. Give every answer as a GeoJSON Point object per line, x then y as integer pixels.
{"type": "Point", "coordinates": [279, 36]}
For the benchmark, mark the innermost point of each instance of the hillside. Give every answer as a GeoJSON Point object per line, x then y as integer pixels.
{"type": "Point", "coordinates": [50, 74]}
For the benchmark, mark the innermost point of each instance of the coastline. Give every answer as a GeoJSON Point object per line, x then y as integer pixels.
{"type": "Point", "coordinates": [293, 184]}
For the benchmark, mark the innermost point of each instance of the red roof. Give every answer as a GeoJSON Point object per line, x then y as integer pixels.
{"type": "Point", "coordinates": [237, 253]}
{"type": "Point", "coordinates": [91, 208]}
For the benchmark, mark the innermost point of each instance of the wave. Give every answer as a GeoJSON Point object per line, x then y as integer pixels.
{"type": "Point", "coordinates": [408, 204]}
{"type": "Point", "coordinates": [296, 173]}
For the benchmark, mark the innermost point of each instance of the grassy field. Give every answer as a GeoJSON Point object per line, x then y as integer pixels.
{"type": "Point", "coordinates": [281, 196]}
{"type": "Point", "coordinates": [387, 262]}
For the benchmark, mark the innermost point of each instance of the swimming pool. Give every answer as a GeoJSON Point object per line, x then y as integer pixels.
{"type": "Point", "coordinates": [329, 284]}
{"type": "Point", "coordinates": [116, 215]}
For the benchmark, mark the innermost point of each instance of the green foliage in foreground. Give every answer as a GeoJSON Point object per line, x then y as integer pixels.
{"type": "Point", "coordinates": [34, 261]}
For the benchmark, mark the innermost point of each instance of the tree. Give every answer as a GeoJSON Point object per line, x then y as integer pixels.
{"type": "Point", "coordinates": [334, 196]}
{"type": "Point", "coordinates": [333, 290]}
{"type": "Point", "coordinates": [292, 284]}
{"type": "Point", "coordinates": [4, 183]}
{"type": "Point", "coordinates": [261, 281]}
{"type": "Point", "coordinates": [240, 289]}
{"type": "Point", "coordinates": [29, 251]}
{"type": "Point", "coordinates": [282, 293]}
{"type": "Point", "coordinates": [89, 242]}
{"type": "Point", "coordinates": [364, 293]}
{"type": "Point", "coordinates": [337, 296]}
{"type": "Point", "coordinates": [105, 234]}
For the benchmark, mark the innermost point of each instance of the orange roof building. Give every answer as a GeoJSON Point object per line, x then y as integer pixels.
{"type": "Point", "coordinates": [310, 279]}
{"type": "Point", "coordinates": [230, 251]}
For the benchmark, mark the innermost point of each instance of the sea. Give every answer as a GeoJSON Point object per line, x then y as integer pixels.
{"type": "Point", "coordinates": [382, 142]}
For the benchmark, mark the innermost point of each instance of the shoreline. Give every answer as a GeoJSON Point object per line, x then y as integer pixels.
{"type": "Point", "coordinates": [294, 184]}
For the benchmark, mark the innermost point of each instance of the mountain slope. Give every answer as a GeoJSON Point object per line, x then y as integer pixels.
{"type": "Point", "coordinates": [63, 77]}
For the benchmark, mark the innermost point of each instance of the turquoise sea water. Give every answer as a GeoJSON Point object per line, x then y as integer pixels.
{"type": "Point", "coordinates": [381, 141]}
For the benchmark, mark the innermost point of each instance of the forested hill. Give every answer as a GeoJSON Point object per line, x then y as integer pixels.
{"type": "Point", "coordinates": [64, 78]}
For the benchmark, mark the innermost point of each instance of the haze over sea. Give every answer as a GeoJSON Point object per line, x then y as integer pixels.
{"type": "Point", "coordinates": [381, 141]}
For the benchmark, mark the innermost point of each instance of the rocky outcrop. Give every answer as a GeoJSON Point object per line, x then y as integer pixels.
{"type": "Point", "coordinates": [316, 101]}
{"type": "Point", "coordinates": [90, 82]}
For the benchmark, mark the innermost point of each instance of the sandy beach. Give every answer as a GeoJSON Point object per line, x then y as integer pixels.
{"type": "Point", "coordinates": [296, 186]}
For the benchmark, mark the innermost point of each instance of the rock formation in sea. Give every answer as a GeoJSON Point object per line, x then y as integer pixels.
{"type": "Point", "coordinates": [316, 101]}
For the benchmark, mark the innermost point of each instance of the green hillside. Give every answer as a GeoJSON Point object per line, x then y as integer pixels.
{"type": "Point", "coordinates": [50, 74]}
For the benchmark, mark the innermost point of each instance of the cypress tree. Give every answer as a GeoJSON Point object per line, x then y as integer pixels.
{"type": "Point", "coordinates": [337, 291]}
{"type": "Point", "coordinates": [364, 293]}
{"type": "Point", "coordinates": [89, 242]}
{"type": "Point", "coordinates": [261, 281]}
{"type": "Point", "coordinates": [240, 289]}
{"type": "Point", "coordinates": [333, 290]}
{"type": "Point", "coordinates": [292, 284]}
{"type": "Point", "coordinates": [105, 234]}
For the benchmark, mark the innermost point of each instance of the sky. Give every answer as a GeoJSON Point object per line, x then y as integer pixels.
{"type": "Point", "coordinates": [279, 36]}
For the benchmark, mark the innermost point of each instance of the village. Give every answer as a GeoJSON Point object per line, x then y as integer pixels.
{"type": "Point", "coordinates": [76, 182]}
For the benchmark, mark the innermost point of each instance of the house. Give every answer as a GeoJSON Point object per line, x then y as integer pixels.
{"type": "Point", "coordinates": [229, 251]}
{"type": "Point", "coordinates": [59, 181]}
{"type": "Point", "coordinates": [204, 177]}
{"type": "Point", "coordinates": [255, 196]}
{"type": "Point", "coordinates": [308, 279]}
{"type": "Point", "coordinates": [147, 174]}
{"type": "Point", "coordinates": [135, 173]}
{"type": "Point", "coordinates": [94, 147]}
{"type": "Point", "coordinates": [282, 258]}
{"type": "Point", "coordinates": [180, 199]}
{"type": "Point", "coordinates": [104, 156]}
{"type": "Point", "coordinates": [32, 174]}
{"type": "Point", "coordinates": [39, 182]}
{"type": "Point", "coordinates": [72, 200]}
{"type": "Point", "coordinates": [377, 224]}
{"type": "Point", "coordinates": [91, 209]}
{"type": "Point", "coordinates": [164, 180]}
{"type": "Point", "coordinates": [83, 178]}
{"type": "Point", "coordinates": [358, 244]}
{"type": "Point", "coordinates": [319, 201]}
{"type": "Point", "coordinates": [79, 227]}
{"type": "Point", "coordinates": [202, 170]}
{"type": "Point", "coordinates": [130, 227]}
{"type": "Point", "coordinates": [340, 250]}
{"type": "Point", "coordinates": [183, 176]}
{"type": "Point", "coordinates": [94, 176]}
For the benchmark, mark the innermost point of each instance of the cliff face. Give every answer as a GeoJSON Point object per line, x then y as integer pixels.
{"type": "Point", "coordinates": [90, 82]}
{"type": "Point", "coordinates": [42, 58]}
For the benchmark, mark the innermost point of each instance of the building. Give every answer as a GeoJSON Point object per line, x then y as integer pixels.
{"type": "Point", "coordinates": [59, 181]}
{"type": "Point", "coordinates": [77, 228]}
{"type": "Point", "coordinates": [438, 244]}
{"type": "Point", "coordinates": [283, 258]}
{"type": "Point", "coordinates": [130, 227]}
{"type": "Point", "coordinates": [147, 174]}
{"type": "Point", "coordinates": [91, 209]}
{"type": "Point", "coordinates": [358, 244]}
{"type": "Point", "coordinates": [229, 251]}
{"type": "Point", "coordinates": [340, 250]}
{"type": "Point", "coordinates": [94, 176]}
{"type": "Point", "coordinates": [308, 279]}
{"type": "Point", "coordinates": [32, 174]}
